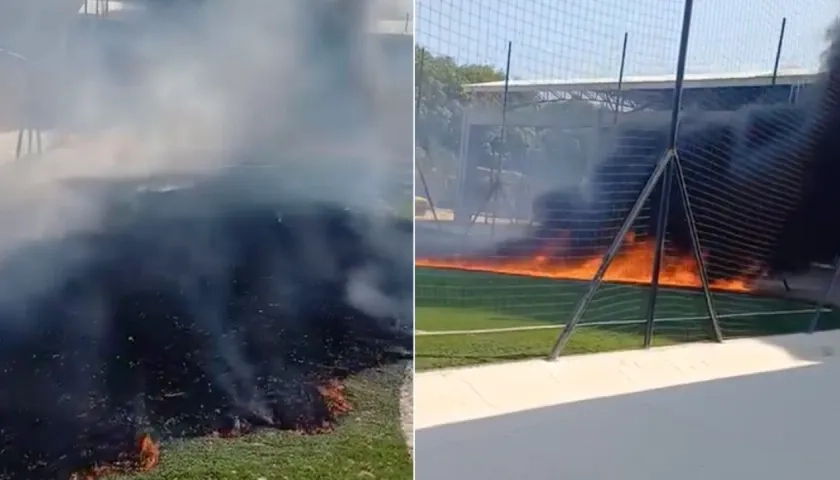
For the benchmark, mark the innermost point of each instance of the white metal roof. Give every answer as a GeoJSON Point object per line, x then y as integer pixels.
{"type": "Point", "coordinates": [92, 7]}
{"type": "Point", "coordinates": [656, 82]}
{"type": "Point", "coordinates": [393, 27]}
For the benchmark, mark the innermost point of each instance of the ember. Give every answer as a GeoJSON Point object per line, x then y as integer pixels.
{"type": "Point", "coordinates": [208, 320]}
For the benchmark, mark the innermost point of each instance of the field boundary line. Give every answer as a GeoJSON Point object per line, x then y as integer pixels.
{"type": "Point", "coordinates": [429, 333]}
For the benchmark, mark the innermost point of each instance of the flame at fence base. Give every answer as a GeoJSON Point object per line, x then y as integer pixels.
{"type": "Point", "coordinates": [633, 264]}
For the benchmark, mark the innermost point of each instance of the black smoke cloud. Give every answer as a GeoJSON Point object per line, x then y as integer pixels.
{"type": "Point", "coordinates": [227, 261]}
{"type": "Point", "coordinates": [191, 310]}
{"type": "Point", "coordinates": [763, 183]}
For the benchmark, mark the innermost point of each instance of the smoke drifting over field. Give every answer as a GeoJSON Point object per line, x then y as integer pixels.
{"type": "Point", "coordinates": [217, 256]}
{"type": "Point", "coordinates": [762, 180]}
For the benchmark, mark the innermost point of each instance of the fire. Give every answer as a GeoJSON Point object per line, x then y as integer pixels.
{"type": "Point", "coordinates": [143, 459]}
{"type": "Point", "coordinates": [334, 397]}
{"type": "Point", "coordinates": [146, 454]}
{"type": "Point", "coordinates": [633, 264]}
{"type": "Point", "coordinates": [336, 403]}
{"type": "Point", "coordinates": [149, 453]}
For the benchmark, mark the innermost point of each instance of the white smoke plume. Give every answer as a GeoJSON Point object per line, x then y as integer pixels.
{"type": "Point", "coordinates": [298, 91]}
{"type": "Point", "coordinates": [299, 87]}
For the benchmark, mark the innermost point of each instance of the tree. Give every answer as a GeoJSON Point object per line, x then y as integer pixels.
{"type": "Point", "coordinates": [441, 102]}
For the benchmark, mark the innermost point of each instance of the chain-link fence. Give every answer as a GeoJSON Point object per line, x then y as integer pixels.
{"type": "Point", "coordinates": [539, 124]}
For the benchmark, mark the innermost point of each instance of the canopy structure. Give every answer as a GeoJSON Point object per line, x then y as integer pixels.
{"type": "Point", "coordinates": [629, 99]}
{"type": "Point", "coordinates": [633, 93]}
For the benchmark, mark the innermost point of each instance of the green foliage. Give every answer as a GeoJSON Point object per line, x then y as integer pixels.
{"type": "Point", "coordinates": [441, 101]}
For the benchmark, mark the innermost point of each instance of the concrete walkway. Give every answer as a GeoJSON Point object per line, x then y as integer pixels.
{"type": "Point", "coordinates": [756, 408]}
{"type": "Point", "coordinates": [407, 407]}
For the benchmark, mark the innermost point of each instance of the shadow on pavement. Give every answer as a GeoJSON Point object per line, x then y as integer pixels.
{"type": "Point", "coordinates": [781, 425]}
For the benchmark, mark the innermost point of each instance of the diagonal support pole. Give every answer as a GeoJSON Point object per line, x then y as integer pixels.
{"type": "Point", "coordinates": [675, 171]}
{"type": "Point", "coordinates": [669, 167]}
{"type": "Point", "coordinates": [716, 333]}
{"type": "Point", "coordinates": [610, 255]}
{"type": "Point", "coordinates": [815, 320]}
{"type": "Point", "coordinates": [670, 159]}
{"type": "Point", "coordinates": [427, 192]}
{"type": "Point", "coordinates": [659, 246]}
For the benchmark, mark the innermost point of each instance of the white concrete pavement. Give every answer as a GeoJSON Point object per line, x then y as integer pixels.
{"type": "Point", "coordinates": [765, 409]}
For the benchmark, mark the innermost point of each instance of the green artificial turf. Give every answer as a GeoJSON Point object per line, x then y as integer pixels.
{"type": "Point", "coordinates": [448, 300]}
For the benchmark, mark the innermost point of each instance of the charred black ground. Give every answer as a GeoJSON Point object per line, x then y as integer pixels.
{"type": "Point", "coordinates": [192, 311]}
{"type": "Point", "coordinates": [762, 182]}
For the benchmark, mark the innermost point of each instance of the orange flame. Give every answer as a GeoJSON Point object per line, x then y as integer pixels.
{"type": "Point", "coordinates": [334, 397]}
{"type": "Point", "coordinates": [149, 455]}
{"type": "Point", "coordinates": [144, 459]}
{"type": "Point", "coordinates": [332, 391]}
{"type": "Point", "coordinates": [633, 264]}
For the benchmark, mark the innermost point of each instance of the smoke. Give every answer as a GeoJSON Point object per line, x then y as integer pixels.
{"type": "Point", "coordinates": [297, 90]}
{"type": "Point", "coordinates": [762, 182]}
{"type": "Point", "coordinates": [204, 239]}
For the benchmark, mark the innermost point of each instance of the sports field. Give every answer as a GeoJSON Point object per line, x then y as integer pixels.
{"type": "Point", "coordinates": [466, 318]}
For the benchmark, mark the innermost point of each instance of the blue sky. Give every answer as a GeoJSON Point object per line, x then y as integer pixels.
{"type": "Point", "coordinates": [564, 39]}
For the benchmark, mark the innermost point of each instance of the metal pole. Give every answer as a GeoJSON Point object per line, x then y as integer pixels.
{"type": "Point", "coordinates": [815, 321]}
{"type": "Point", "coordinates": [428, 194]}
{"type": "Point", "coordinates": [662, 166]}
{"type": "Point", "coordinates": [678, 86]}
{"type": "Point", "coordinates": [619, 99]}
{"type": "Point", "coordinates": [661, 227]}
{"type": "Point", "coordinates": [461, 186]}
{"type": "Point", "coordinates": [779, 52]}
{"type": "Point", "coordinates": [609, 256]}
{"type": "Point", "coordinates": [502, 143]}
{"type": "Point", "coordinates": [662, 221]}
{"type": "Point", "coordinates": [681, 184]}
{"type": "Point", "coordinates": [717, 335]}
{"type": "Point", "coordinates": [491, 191]}
{"type": "Point", "coordinates": [19, 146]}
{"type": "Point", "coordinates": [419, 79]}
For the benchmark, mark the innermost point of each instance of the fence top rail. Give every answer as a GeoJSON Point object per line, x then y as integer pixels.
{"type": "Point", "coordinates": [650, 82]}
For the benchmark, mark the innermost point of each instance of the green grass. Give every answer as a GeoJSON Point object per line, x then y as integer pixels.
{"type": "Point", "coordinates": [475, 349]}
{"type": "Point", "coordinates": [454, 300]}
{"type": "Point", "coordinates": [367, 444]}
